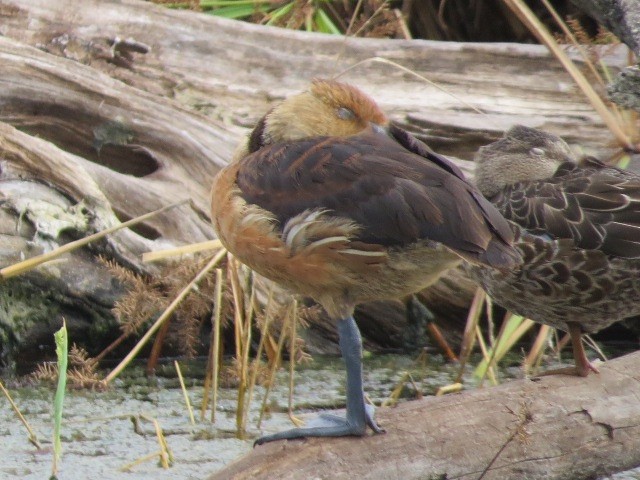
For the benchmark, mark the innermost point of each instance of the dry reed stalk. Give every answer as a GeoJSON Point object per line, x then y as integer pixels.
{"type": "Point", "coordinates": [452, 388]}
{"type": "Point", "coordinates": [274, 364]}
{"type": "Point", "coordinates": [185, 393]}
{"type": "Point", "coordinates": [183, 250]}
{"type": "Point", "coordinates": [292, 363]}
{"type": "Point", "coordinates": [242, 330]}
{"type": "Point", "coordinates": [537, 349]}
{"type": "Point", "coordinates": [469, 336]}
{"type": "Point", "coordinates": [212, 375]}
{"type": "Point", "coordinates": [140, 461]}
{"type": "Point", "coordinates": [30, 263]}
{"type": "Point", "coordinates": [536, 27]}
{"type": "Point", "coordinates": [393, 397]}
{"type": "Point", "coordinates": [166, 314]}
{"type": "Point", "coordinates": [490, 371]}
{"type": "Point", "coordinates": [166, 458]}
{"type": "Point", "coordinates": [592, 343]}
{"type": "Point", "coordinates": [33, 439]}
{"type": "Point", "coordinates": [263, 336]}
{"type": "Point", "coordinates": [217, 329]}
{"type": "Point", "coordinates": [410, 72]}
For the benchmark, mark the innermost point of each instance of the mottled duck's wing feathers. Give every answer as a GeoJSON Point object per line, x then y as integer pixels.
{"type": "Point", "coordinates": [596, 206]}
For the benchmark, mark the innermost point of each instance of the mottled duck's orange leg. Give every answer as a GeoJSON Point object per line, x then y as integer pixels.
{"type": "Point", "coordinates": [582, 366]}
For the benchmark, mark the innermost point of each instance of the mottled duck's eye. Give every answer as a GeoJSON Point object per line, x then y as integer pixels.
{"type": "Point", "coordinates": [538, 152]}
{"type": "Point", "coordinates": [345, 114]}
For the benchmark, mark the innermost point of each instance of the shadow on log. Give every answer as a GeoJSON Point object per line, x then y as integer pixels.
{"type": "Point", "coordinates": [556, 427]}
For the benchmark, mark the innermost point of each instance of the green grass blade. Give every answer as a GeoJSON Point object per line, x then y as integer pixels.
{"type": "Point", "coordinates": [235, 12]}
{"type": "Point", "coordinates": [515, 327]}
{"type": "Point", "coordinates": [279, 13]}
{"type": "Point", "coordinates": [231, 3]}
{"type": "Point", "coordinates": [62, 347]}
{"type": "Point", "coordinates": [325, 24]}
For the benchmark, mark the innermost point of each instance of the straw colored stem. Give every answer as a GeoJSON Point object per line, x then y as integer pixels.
{"type": "Point", "coordinates": [183, 250]}
{"type": "Point", "coordinates": [30, 263]}
{"type": "Point", "coordinates": [263, 336]}
{"type": "Point", "coordinates": [216, 342]}
{"type": "Point", "coordinates": [146, 458]}
{"type": "Point", "coordinates": [539, 30]}
{"type": "Point", "coordinates": [292, 362]}
{"type": "Point", "coordinates": [415, 74]}
{"type": "Point", "coordinates": [537, 348]}
{"type": "Point", "coordinates": [468, 336]}
{"type": "Point", "coordinates": [32, 436]}
{"type": "Point", "coordinates": [166, 314]}
{"type": "Point", "coordinates": [563, 26]}
{"type": "Point", "coordinates": [165, 457]}
{"type": "Point", "coordinates": [490, 371]}
{"type": "Point", "coordinates": [185, 393]}
{"type": "Point", "coordinates": [274, 364]}
{"type": "Point", "coordinates": [240, 330]}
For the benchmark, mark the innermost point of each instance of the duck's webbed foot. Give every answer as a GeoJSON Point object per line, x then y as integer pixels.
{"type": "Point", "coordinates": [359, 414]}
{"type": "Point", "coordinates": [582, 366]}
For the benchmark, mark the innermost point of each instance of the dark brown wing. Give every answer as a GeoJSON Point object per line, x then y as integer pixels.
{"type": "Point", "coordinates": [394, 195]}
{"type": "Point", "coordinates": [495, 220]}
{"type": "Point", "coordinates": [596, 206]}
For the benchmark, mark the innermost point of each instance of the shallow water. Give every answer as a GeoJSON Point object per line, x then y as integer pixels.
{"type": "Point", "coordinates": [99, 436]}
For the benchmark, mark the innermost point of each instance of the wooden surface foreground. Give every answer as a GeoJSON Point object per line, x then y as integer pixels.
{"type": "Point", "coordinates": [557, 427]}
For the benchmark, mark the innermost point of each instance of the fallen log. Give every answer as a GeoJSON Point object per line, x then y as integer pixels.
{"type": "Point", "coordinates": [554, 427]}
{"type": "Point", "coordinates": [140, 105]}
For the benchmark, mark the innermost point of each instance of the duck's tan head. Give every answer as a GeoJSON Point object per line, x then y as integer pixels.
{"type": "Point", "coordinates": [523, 154]}
{"type": "Point", "coordinates": [327, 108]}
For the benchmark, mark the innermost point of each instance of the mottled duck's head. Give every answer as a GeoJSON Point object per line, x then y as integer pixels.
{"type": "Point", "coordinates": [327, 108]}
{"type": "Point", "coordinates": [523, 154]}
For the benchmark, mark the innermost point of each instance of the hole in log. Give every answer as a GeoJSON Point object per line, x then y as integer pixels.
{"type": "Point", "coordinates": [127, 159]}
{"type": "Point", "coordinates": [143, 229]}
{"type": "Point", "coordinates": [108, 142]}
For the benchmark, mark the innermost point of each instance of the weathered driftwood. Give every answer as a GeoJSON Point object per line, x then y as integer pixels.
{"type": "Point", "coordinates": [622, 17]}
{"type": "Point", "coordinates": [557, 427]}
{"type": "Point", "coordinates": [126, 106]}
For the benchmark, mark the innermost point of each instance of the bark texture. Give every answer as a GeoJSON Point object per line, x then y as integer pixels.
{"type": "Point", "coordinates": [556, 427]}
{"type": "Point", "coordinates": [111, 109]}
{"type": "Point", "coordinates": [622, 17]}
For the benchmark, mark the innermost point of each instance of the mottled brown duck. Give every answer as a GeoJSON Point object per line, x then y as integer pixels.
{"type": "Point", "coordinates": [332, 201]}
{"type": "Point", "coordinates": [577, 227]}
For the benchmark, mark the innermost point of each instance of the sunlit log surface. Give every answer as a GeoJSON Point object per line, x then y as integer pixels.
{"type": "Point", "coordinates": [557, 427]}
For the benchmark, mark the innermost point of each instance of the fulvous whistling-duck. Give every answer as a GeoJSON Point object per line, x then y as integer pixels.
{"type": "Point", "coordinates": [331, 200]}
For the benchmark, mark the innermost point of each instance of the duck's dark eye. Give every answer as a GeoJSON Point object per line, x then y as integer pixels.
{"type": "Point", "coordinates": [345, 114]}
{"type": "Point", "coordinates": [538, 152]}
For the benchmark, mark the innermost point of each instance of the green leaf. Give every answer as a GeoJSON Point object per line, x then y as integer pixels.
{"type": "Point", "coordinates": [238, 11]}
{"type": "Point", "coordinates": [62, 344]}
{"type": "Point", "coordinates": [279, 12]}
{"type": "Point", "coordinates": [325, 24]}
{"type": "Point", "coordinates": [513, 330]}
